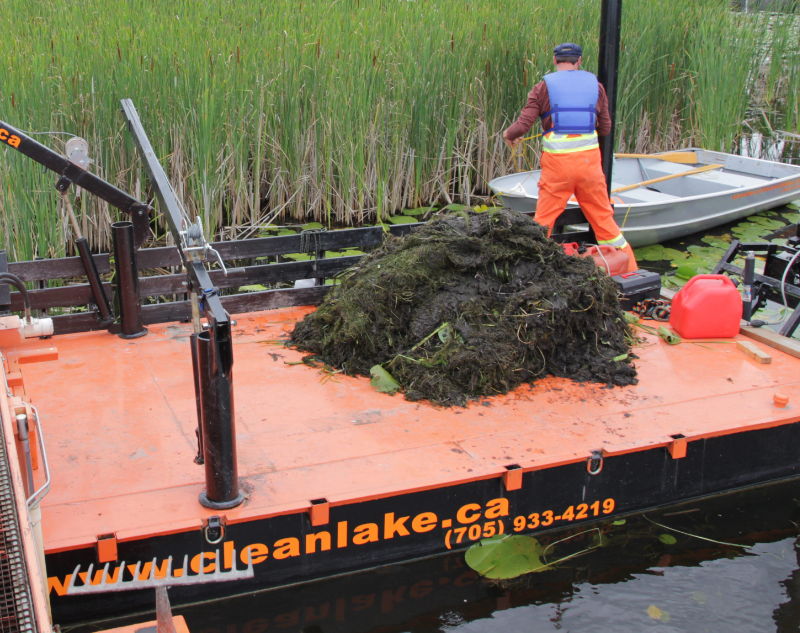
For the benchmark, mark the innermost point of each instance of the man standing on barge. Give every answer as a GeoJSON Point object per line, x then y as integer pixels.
{"type": "Point", "coordinates": [573, 107]}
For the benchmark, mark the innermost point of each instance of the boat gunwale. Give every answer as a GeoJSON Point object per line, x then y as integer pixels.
{"type": "Point", "coordinates": [769, 182]}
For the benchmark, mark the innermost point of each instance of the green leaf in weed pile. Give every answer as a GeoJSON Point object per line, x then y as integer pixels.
{"type": "Point", "coordinates": [445, 332]}
{"type": "Point", "coordinates": [504, 557]}
{"type": "Point", "coordinates": [382, 380]}
{"type": "Point", "coordinates": [667, 539]}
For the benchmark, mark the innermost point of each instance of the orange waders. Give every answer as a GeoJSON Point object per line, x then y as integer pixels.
{"type": "Point", "coordinates": [579, 173]}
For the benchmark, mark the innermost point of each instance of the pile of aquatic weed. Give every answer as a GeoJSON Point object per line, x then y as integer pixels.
{"type": "Point", "coordinates": [472, 305]}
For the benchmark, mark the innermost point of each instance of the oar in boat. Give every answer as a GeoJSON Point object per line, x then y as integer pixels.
{"type": "Point", "coordinates": [687, 158]}
{"type": "Point", "coordinates": [689, 172]}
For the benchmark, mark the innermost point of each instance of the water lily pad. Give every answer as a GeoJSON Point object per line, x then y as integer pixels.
{"type": "Point", "coordinates": [686, 271]}
{"type": "Point", "coordinates": [309, 226]}
{"type": "Point", "coordinates": [401, 219]}
{"type": "Point", "coordinates": [752, 230]}
{"type": "Point", "coordinates": [769, 223]}
{"type": "Point", "coordinates": [418, 211]}
{"type": "Point", "coordinates": [705, 252]}
{"type": "Point", "coordinates": [718, 241]}
{"type": "Point", "coordinates": [703, 258]}
{"type": "Point", "coordinates": [657, 252]}
{"type": "Point", "coordinates": [504, 557]}
{"type": "Point", "coordinates": [298, 257]}
{"type": "Point", "coordinates": [382, 380]}
{"type": "Point", "coordinates": [455, 207]}
{"type": "Point", "coordinates": [285, 231]}
{"type": "Point", "coordinates": [252, 288]}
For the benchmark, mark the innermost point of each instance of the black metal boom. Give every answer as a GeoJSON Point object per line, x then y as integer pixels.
{"type": "Point", "coordinates": [212, 350]}
{"type": "Point", "coordinates": [72, 173]}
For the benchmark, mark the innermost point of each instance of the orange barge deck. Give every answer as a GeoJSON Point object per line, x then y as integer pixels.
{"type": "Point", "coordinates": [339, 477]}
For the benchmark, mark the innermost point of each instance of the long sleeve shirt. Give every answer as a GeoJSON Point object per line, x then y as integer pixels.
{"type": "Point", "coordinates": [539, 101]}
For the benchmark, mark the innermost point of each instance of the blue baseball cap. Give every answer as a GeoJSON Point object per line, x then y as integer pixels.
{"type": "Point", "coordinates": [568, 49]}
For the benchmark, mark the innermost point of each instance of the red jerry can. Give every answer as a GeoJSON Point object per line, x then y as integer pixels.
{"type": "Point", "coordinates": [708, 306]}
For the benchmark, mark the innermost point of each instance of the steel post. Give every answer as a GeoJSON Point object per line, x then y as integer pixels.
{"type": "Point", "coordinates": [130, 310]}
{"type": "Point", "coordinates": [610, 21]}
{"type": "Point", "coordinates": [215, 364]}
{"type": "Point", "coordinates": [748, 277]}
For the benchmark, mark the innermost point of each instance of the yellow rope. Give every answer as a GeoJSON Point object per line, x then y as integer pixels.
{"type": "Point", "coordinates": [516, 150]}
{"type": "Point", "coordinates": [625, 219]}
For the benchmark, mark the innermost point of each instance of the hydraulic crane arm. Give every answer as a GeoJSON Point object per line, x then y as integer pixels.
{"type": "Point", "coordinates": [71, 173]}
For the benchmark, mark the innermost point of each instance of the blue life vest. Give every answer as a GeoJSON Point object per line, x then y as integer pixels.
{"type": "Point", "coordinates": [573, 101]}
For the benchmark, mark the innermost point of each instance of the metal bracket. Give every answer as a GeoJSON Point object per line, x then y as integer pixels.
{"type": "Point", "coordinates": [196, 247]}
{"type": "Point", "coordinates": [594, 463]}
{"type": "Point", "coordinates": [214, 530]}
{"type": "Point", "coordinates": [37, 496]}
{"type": "Point", "coordinates": [512, 477]}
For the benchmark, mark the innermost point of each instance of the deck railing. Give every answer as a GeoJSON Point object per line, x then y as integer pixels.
{"type": "Point", "coordinates": [162, 285]}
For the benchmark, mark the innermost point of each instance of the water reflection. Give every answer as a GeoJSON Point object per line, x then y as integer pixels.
{"type": "Point", "coordinates": [742, 575]}
{"type": "Point", "coordinates": [781, 147]}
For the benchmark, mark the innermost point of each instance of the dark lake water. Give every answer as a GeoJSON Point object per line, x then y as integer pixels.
{"type": "Point", "coordinates": [726, 564]}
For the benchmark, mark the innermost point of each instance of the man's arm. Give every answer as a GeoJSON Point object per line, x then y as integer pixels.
{"type": "Point", "coordinates": [530, 112]}
{"type": "Point", "coordinates": [603, 123]}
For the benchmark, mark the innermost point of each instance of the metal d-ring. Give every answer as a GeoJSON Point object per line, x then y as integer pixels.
{"type": "Point", "coordinates": [214, 530]}
{"type": "Point", "coordinates": [594, 463]}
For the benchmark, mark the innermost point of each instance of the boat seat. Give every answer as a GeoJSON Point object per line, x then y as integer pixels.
{"type": "Point", "coordinates": [727, 180]}
{"type": "Point", "coordinates": [710, 181]}
{"type": "Point", "coordinates": [641, 194]}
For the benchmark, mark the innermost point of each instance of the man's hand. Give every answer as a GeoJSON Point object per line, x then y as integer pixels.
{"type": "Point", "coordinates": [511, 144]}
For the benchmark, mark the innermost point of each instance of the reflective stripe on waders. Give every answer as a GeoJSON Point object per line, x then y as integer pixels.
{"type": "Point", "coordinates": [617, 242]}
{"type": "Point", "coordinates": [569, 143]}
